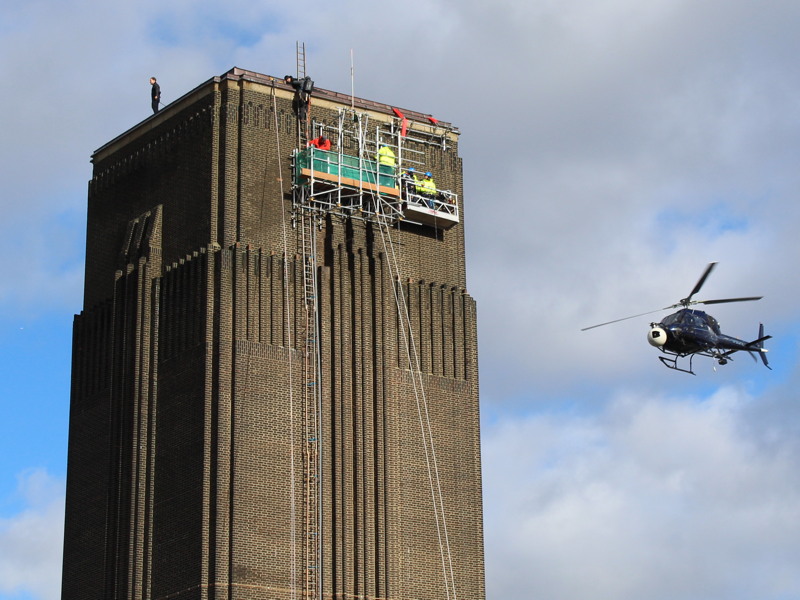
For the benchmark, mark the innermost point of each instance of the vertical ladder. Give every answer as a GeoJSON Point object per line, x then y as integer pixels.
{"type": "Point", "coordinates": [301, 59]}
{"type": "Point", "coordinates": [311, 395]}
{"type": "Point", "coordinates": [302, 128]}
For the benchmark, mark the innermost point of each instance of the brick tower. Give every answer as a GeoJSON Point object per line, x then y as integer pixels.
{"type": "Point", "coordinates": [275, 379]}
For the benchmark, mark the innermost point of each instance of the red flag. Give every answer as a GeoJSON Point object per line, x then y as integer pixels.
{"type": "Point", "coordinates": [404, 126]}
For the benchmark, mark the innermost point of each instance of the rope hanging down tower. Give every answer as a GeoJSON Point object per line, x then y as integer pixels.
{"type": "Point", "coordinates": [371, 200]}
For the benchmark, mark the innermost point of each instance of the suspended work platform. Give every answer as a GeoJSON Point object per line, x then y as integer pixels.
{"type": "Point", "coordinates": [436, 212]}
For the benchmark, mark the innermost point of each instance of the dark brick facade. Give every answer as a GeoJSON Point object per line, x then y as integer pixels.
{"type": "Point", "coordinates": [185, 452]}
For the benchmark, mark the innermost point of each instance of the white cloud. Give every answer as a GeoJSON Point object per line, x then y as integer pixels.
{"type": "Point", "coordinates": [31, 541]}
{"type": "Point", "coordinates": [655, 497]}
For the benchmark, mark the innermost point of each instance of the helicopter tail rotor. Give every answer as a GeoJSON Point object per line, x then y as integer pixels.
{"type": "Point", "coordinates": [760, 341]}
{"type": "Point", "coordinates": [757, 345]}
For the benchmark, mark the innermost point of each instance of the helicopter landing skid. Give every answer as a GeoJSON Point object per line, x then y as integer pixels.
{"type": "Point", "coordinates": [671, 362]}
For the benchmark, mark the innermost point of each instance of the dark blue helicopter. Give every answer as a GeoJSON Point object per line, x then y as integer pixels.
{"type": "Point", "coordinates": [691, 333]}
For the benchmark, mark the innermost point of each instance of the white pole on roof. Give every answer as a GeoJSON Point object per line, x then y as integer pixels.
{"type": "Point", "coordinates": [352, 82]}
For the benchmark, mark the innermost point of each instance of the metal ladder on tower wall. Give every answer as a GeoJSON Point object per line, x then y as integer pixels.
{"type": "Point", "coordinates": [311, 398]}
{"type": "Point", "coordinates": [301, 59]}
{"type": "Point", "coordinates": [302, 130]}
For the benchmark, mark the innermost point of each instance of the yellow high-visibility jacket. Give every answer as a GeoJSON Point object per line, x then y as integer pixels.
{"type": "Point", "coordinates": [426, 186]}
{"type": "Point", "coordinates": [386, 156]}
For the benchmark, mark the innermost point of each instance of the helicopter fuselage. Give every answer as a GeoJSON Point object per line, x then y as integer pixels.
{"type": "Point", "coordinates": [691, 331]}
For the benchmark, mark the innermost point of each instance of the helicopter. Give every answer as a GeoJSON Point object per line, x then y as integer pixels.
{"type": "Point", "coordinates": [690, 332]}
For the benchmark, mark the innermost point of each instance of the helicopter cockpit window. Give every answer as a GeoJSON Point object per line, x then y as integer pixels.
{"type": "Point", "coordinates": [686, 317]}
{"type": "Point", "coordinates": [699, 319]}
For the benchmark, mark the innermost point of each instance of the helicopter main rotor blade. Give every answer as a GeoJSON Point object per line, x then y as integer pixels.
{"type": "Point", "coordinates": [688, 300]}
{"type": "Point", "coordinates": [724, 300]}
{"type": "Point", "coordinates": [650, 312]}
{"type": "Point", "coordinates": [685, 303]}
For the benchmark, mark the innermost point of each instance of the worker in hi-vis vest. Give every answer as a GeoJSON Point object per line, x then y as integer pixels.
{"type": "Point", "coordinates": [386, 160]}
{"type": "Point", "coordinates": [427, 187]}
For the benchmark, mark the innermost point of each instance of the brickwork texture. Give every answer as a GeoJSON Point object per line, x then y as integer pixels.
{"type": "Point", "coordinates": [186, 436]}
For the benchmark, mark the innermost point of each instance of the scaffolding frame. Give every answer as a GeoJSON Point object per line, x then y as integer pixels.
{"type": "Point", "coordinates": [358, 185]}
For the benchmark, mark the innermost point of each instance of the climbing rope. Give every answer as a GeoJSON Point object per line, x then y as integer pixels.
{"type": "Point", "coordinates": [414, 363]}
{"type": "Point", "coordinates": [292, 507]}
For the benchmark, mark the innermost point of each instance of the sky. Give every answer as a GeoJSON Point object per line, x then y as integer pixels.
{"type": "Point", "coordinates": [611, 148]}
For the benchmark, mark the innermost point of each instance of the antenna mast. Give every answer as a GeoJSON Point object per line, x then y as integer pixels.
{"type": "Point", "coordinates": [352, 82]}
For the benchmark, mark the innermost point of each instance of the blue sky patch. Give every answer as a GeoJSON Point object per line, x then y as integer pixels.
{"type": "Point", "coordinates": [715, 220]}
{"type": "Point", "coordinates": [169, 30]}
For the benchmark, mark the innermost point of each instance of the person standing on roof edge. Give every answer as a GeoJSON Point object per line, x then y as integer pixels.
{"type": "Point", "coordinates": [302, 95]}
{"type": "Point", "coordinates": [155, 94]}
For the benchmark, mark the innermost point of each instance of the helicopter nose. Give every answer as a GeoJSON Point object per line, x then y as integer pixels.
{"type": "Point", "coordinates": [657, 336]}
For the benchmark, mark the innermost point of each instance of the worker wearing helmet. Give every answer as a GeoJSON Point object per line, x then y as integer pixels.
{"type": "Point", "coordinates": [408, 182]}
{"type": "Point", "coordinates": [427, 188]}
